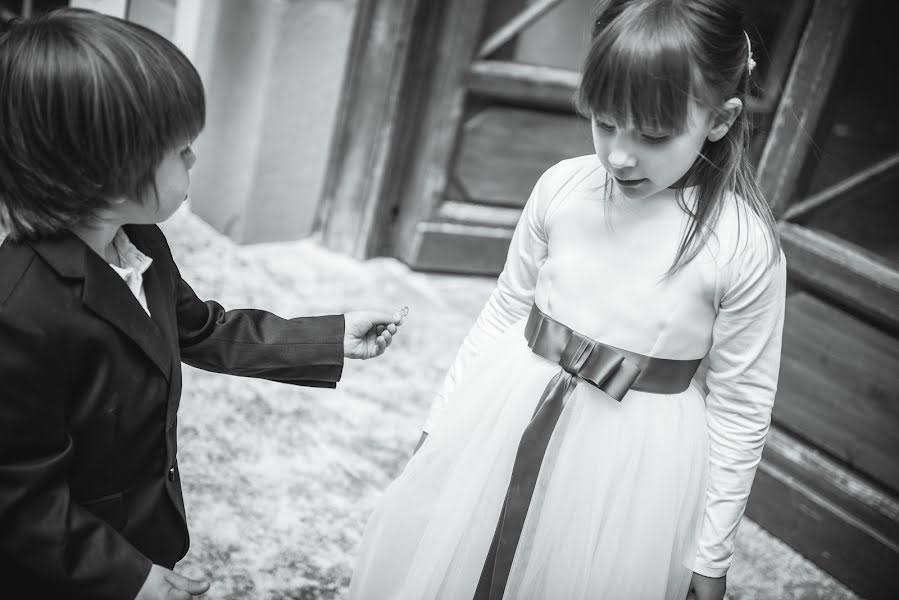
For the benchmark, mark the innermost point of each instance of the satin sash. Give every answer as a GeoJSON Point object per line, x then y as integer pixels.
{"type": "Point", "coordinates": [612, 370]}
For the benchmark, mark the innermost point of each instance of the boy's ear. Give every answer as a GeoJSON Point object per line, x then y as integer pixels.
{"type": "Point", "coordinates": [725, 118]}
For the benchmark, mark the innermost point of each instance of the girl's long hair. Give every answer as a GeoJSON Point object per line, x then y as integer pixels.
{"type": "Point", "coordinates": [648, 59]}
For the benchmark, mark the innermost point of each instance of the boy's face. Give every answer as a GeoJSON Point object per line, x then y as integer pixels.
{"type": "Point", "coordinates": [172, 185]}
{"type": "Point", "coordinates": [646, 162]}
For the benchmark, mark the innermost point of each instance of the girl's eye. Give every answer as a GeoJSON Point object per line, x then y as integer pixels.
{"type": "Point", "coordinates": [605, 126]}
{"type": "Point", "coordinates": [656, 139]}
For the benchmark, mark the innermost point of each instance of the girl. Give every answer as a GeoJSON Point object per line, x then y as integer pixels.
{"type": "Point", "coordinates": [571, 453]}
{"type": "Point", "coordinates": [97, 116]}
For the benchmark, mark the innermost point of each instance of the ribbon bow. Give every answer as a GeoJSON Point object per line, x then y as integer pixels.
{"type": "Point", "coordinates": [601, 366]}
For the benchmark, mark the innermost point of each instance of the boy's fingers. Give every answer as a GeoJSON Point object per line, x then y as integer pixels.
{"type": "Point", "coordinates": [391, 328]}
{"type": "Point", "coordinates": [395, 318]}
{"type": "Point", "coordinates": [379, 318]}
{"type": "Point", "coordinates": [191, 586]}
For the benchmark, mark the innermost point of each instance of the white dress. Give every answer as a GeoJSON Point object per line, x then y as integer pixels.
{"type": "Point", "coordinates": [632, 496]}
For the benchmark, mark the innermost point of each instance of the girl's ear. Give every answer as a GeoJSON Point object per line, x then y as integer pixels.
{"type": "Point", "coordinates": [725, 118]}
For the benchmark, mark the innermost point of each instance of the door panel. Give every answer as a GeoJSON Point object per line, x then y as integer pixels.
{"type": "Point", "coordinates": [503, 151]}
{"type": "Point", "coordinates": [838, 377]}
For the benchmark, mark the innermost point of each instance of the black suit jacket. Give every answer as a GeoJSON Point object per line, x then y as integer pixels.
{"type": "Point", "coordinates": [90, 494]}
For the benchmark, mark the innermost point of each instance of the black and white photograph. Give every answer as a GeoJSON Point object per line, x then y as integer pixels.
{"type": "Point", "coordinates": [449, 300]}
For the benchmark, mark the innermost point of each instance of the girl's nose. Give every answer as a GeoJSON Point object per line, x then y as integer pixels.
{"type": "Point", "coordinates": [620, 159]}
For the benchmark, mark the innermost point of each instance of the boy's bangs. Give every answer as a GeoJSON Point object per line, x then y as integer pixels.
{"type": "Point", "coordinates": [637, 77]}
{"type": "Point", "coordinates": [188, 111]}
{"type": "Point", "coordinates": [179, 103]}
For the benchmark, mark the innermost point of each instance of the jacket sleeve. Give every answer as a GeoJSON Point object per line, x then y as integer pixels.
{"type": "Point", "coordinates": [43, 531]}
{"type": "Point", "coordinates": [254, 343]}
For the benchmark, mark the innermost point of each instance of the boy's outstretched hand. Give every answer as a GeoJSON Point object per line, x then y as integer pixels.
{"type": "Point", "coordinates": [163, 584]}
{"type": "Point", "coordinates": [369, 332]}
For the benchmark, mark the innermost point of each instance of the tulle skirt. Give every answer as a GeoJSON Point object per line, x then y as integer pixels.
{"type": "Point", "coordinates": [616, 512]}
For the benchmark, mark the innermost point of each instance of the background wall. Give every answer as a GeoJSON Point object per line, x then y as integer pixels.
{"type": "Point", "coordinates": [273, 71]}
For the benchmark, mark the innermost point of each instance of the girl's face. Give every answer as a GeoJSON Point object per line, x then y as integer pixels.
{"type": "Point", "coordinates": [643, 163]}
{"type": "Point", "coordinates": [172, 185]}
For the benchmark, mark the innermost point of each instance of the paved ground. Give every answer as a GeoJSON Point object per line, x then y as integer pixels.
{"type": "Point", "coordinates": [279, 480]}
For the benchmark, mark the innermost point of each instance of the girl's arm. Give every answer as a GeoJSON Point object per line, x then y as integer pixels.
{"type": "Point", "coordinates": [742, 379]}
{"type": "Point", "coordinates": [513, 296]}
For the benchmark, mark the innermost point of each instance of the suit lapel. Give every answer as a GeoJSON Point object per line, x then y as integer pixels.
{"type": "Point", "coordinates": [157, 287]}
{"type": "Point", "coordinates": [106, 295]}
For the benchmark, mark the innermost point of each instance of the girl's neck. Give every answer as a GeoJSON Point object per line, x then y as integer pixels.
{"type": "Point", "coordinates": [681, 183]}
{"type": "Point", "coordinates": [99, 236]}
{"type": "Point", "coordinates": [684, 181]}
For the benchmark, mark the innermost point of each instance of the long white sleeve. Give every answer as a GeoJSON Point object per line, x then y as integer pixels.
{"type": "Point", "coordinates": [744, 361]}
{"type": "Point", "coordinates": [514, 293]}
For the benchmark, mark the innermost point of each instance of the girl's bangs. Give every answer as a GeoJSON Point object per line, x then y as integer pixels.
{"type": "Point", "coordinates": [637, 77]}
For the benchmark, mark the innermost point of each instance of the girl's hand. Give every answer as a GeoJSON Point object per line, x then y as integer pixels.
{"type": "Point", "coordinates": [369, 332]}
{"type": "Point", "coordinates": [163, 584]}
{"type": "Point", "coordinates": [707, 588]}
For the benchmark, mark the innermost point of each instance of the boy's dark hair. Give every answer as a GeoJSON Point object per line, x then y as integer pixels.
{"type": "Point", "coordinates": [89, 105]}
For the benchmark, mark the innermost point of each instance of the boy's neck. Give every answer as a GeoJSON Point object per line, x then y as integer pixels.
{"type": "Point", "coordinates": [98, 236]}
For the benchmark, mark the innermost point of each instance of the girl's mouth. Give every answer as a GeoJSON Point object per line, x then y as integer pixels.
{"type": "Point", "coordinates": [629, 182]}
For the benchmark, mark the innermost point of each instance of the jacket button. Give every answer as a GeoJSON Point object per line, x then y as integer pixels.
{"type": "Point", "coordinates": [172, 473]}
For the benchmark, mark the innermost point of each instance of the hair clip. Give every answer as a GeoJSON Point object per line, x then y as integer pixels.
{"type": "Point", "coordinates": [750, 62]}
